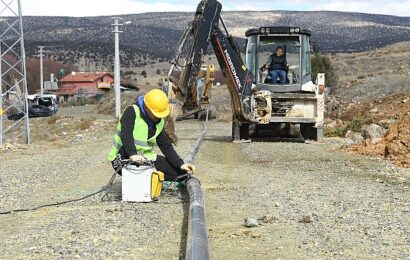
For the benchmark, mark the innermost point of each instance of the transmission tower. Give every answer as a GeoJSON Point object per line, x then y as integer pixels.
{"type": "Point", "coordinates": [14, 119]}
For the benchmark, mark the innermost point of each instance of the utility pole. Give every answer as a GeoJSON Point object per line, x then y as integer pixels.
{"type": "Point", "coordinates": [41, 71]}
{"type": "Point", "coordinates": [13, 80]}
{"type": "Point", "coordinates": [117, 79]}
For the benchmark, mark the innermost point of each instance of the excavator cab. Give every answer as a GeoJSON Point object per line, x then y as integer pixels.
{"type": "Point", "coordinates": [299, 102]}
{"type": "Point", "coordinates": [261, 45]}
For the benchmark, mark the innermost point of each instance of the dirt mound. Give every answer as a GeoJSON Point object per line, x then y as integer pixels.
{"type": "Point", "coordinates": [393, 112]}
{"type": "Point", "coordinates": [376, 110]}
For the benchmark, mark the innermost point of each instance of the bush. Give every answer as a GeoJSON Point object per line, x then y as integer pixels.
{"type": "Point", "coordinates": [335, 131]}
{"type": "Point", "coordinates": [357, 124]}
{"type": "Point", "coordinates": [322, 64]}
{"type": "Point", "coordinates": [144, 73]}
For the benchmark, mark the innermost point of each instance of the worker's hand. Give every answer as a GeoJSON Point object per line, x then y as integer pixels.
{"type": "Point", "coordinates": [188, 167]}
{"type": "Point", "coordinates": [138, 159]}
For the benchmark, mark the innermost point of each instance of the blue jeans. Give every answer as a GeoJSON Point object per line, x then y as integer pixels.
{"type": "Point", "coordinates": [278, 73]}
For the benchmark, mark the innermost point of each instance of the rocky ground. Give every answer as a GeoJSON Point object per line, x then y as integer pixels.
{"type": "Point", "coordinates": [312, 200]}
{"type": "Point", "coordinates": [378, 127]}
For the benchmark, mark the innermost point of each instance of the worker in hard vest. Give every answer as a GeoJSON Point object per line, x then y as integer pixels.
{"type": "Point", "coordinates": [141, 126]}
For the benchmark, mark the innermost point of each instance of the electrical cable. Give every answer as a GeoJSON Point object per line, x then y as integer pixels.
{"type": "Point", "coordinates": [102, 189]}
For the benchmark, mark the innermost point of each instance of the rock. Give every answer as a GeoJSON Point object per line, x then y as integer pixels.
{"type": "Point", "coordinates": [349, 134]}
{"type": "Point", "coordinates": [357, 138]}
{"type": "Point", "coordinates": [267, 219]}
{"type": "Point", "coordinates": [353, 138]}
{"type": "Point", "coordinates": [278, 205]}
{"type": "Point", "coordinates": [251, 222]}
{"type": "Point", "coordinates": [383, 122]}
{"type": "Point", "coordinates": [373, 131]}
{"type": "Point", "coordinates": [308, 218]}
{"type": "Point", "coordinates": [348, 142]}
{"type": "Point", "coordinates": [376, 141]}
{"type": "Point", "coordinates": [331, 124]}
{"type": "Point", "coordinates": [374, 110]}
{"type": "Point", "coordinates": [327, 121]}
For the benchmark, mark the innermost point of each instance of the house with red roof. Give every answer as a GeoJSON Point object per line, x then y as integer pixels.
{"type": "Point", "coordinates": [86, 84]}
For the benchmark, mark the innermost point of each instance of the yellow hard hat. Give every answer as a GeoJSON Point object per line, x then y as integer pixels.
{"type": "Point", "coordinates": [157, 102]}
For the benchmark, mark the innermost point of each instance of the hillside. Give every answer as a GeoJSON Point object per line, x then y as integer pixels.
{"type": "Point", "coordinates": [372, 74]}
{"type": "Point", "coordinates": [88, 41]}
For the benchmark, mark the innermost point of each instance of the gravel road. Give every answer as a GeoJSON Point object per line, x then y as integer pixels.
{"type": "Point", "coordinates": [312, 201]}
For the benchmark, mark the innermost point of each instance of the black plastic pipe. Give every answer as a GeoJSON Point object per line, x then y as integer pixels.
{"type": "Point", "coordinates": [197, 237]}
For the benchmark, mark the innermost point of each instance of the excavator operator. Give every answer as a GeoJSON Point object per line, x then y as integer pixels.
{"type": "Point", "coordinates": [277, 66]}
{"type": "Point", "coordinates": [141, 126]}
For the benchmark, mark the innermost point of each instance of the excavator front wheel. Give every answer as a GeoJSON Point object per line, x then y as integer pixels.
{"type": "Point", "coordinates": [240, 131]}
{"type": "Point", "coordinates": [310, 132]}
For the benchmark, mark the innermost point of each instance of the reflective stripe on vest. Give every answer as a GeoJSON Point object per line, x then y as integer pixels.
{"type": "Point", "coordinates": [143, 145]}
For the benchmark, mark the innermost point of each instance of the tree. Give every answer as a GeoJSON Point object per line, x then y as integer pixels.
{"type": "Point", "coordinates": [49, 66]}
{"type": "Point", "coordinates": [322, 64]}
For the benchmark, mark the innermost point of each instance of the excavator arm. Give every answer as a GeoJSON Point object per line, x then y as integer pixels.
{"type": "Point", "coordinates": [203, 31]}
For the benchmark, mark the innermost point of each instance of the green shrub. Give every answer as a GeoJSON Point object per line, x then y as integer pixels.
{"type": "Point", "coordinates": [357, 124]}
{"type": "Point", "coordinates": [129, 72]}
{"type": "Point", "coordinates": [322, 64]}
{"type": "Point", "coordinates": [335, 131]}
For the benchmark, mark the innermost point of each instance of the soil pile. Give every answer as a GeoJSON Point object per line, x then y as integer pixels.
{"type": "Point", "coordinates": [394, 114]}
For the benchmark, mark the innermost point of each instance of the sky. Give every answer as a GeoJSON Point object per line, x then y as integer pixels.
{"type": "Point", "coordinates": [115, 7]}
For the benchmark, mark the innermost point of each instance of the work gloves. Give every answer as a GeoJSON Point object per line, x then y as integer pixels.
{"type": "Point", "coordinates": [190, 168]}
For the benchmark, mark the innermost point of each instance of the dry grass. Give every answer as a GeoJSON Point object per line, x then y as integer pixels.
{"type": "Point", "coordinates": [52, 120]}
{"type": "Point", "coordinates": [84, 124]}
{"type": "Point", "coordinates": [59, 143]}
{"type": "Point", "coordinates": [373, 74]}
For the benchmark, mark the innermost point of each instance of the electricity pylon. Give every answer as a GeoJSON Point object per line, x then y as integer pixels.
{"type": "Point", "coordinates": [14, 118]}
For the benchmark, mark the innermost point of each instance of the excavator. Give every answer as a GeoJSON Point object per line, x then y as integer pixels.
{"type": "Point", "coordinates": [259, 103]}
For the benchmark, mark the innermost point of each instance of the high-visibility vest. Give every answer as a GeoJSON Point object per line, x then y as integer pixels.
{"type": "Point", "coordinates": [143, 145]}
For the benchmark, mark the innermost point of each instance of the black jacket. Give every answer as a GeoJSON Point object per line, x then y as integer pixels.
{"type": "Point", "coordinates": [163, 142]}
{"type": "Point", "coordinates": [277, 63]}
